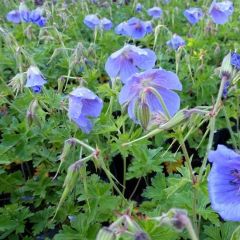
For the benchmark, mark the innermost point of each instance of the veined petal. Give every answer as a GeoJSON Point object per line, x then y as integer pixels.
{"type": "Point", "coordinates": [92, 108]}
{"type": "Point", "coordinates": [112, 66]}
{"type": "Point", "coordinates": [144, 61]}
{"type": "Point", "coordinates": [223, 154]}
{"type": "Point", "coordinates": [83, 93]}
{"type": "Point", "coordinates": [170, 98]}
{"type": "Point", "coordinates": [132, 110]}
{"type": "Point", "coordinates": [127, 70]}
{"type": "Point", "coordinates": [128, 92]}
{"type": "Point", "coordinates": [166, 79]}
{"type": "Point", "coordinates": [84, 123]}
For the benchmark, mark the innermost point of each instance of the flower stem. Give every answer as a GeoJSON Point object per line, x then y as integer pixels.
{"type": "Point", "coordinates": [150, 134]}
{"type": "Point", "coordinates": [159, 97]}
{"type": "Point", "coordinates": [212, 126]}
{"type": "Point", "coordinates": [191, 231]}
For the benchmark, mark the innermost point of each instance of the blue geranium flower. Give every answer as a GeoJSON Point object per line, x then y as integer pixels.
{"type": "Point", "coordinates": [83, 105]}
{"type": "Point", "coordinates": [141, 88]}
{"type": "Point", "coordinates": [92, 21]}
{"type": "Point", "coordinates": [224, 183]}
{"type": "Point", "coordinates": [14, 16]}
{"type": "Point", "coordinates": [175, 42]}
{"type": "Point", "coordinates": [106, 24]}
{"type": "Point", "coordinates": [35, 79]}
{"type": "Point", "coordinates": [193, 15]}
{"type": "Point", "coordinates": [134, 28]}
{"type": "Point", "coordinates": [25, 15]}
{"type": "Point", "coordinates": [138, 7]}
{"type": "Point", "coordinates": [235, 60]}
{"type": "Point", "coordinates": [37, 18]}
{"type": "Point", "coordinates": [220, 11]}
{"type": "Point", "coordinates": [149, 27]}
{"type": "Point", "coordinates": [155, 12]}
{"type": "Point", "coordinates": [129, 60]}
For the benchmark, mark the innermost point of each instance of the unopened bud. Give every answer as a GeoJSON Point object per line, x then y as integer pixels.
{"type": "Point", "coordinates": [72, 176]}
{"type": "Point", "coordinates": [226, 70]}
{"type": "Point", "coordinates": [106, 234]}
{"type": "Point", "coordinates": [141, 236]}
{"type": "Point", "coordinates": [31, 112]}
{"type": "Point", "coordinates": [144, 115]}
{"type": "Point", "coordinates": [61, 82]}
{"type": "Point", "coordinates": [179, 219]}
{"type": "Point", "coordinates": [217, 50]}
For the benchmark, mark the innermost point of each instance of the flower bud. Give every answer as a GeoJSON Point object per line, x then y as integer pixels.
{"type": "Point", "coordinates": [106, 234]}
{"type": "Point", "coordinates": [61, 82]}
{"type": "Point", "coordinates": [31, 112]}
{"type": "Point", "coordinates": [141, 236]}
{"type": "Point", "coordinates": [179, 219]}
{"type": "Point", "coordinates": [226, 69]}
{"type": "Point", "coordinates": [69, 184]}
{"type": "Point", "coordinates": [144, 115]}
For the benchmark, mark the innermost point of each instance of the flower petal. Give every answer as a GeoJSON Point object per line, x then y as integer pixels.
{"type": "Point", "coordinates": [170, 98]}
{"type": "Point", "coordinates": [166, 79]}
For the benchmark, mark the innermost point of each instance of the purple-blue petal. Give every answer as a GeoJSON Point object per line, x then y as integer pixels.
{"type": "Point", "coordinates": [220, 11]}
{"type": "Point", "coordinates": [112, 66]}
{"type": "Point", "coordinates": [176, 42]}
{"type": "Point", "coordinates": [92, 21]}
{"type": "Point", "coordinates": [106, 24]}
{"type": "Point", "coordinates": [155, 12]}
{"type": "Point", "coordinates": [170, 98]}
{"type": "Point", "coordinates": [222, 154]}
{"type": "Point", "coordinates": [224, 183]}
{"type": "Point", "coordinates": [135, 28]}
{"type": "Point", "coordinates": [14, 16]}
{"type": "Point", "coordinates": [193, 15]}
{"type": "Point", "coordinates": [144, 61]}
{"type": "Point", "coordinates": [34, 78]}
{"type": "Point", "coordinates": [127, 70]}
{"type": "Point", "coordinates": [166, 79]}
{"type": "Point", "coordinates": [83, 105]}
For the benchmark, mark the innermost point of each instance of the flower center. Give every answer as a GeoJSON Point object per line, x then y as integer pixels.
{"type": "Point", "coordinates": [236, 174]}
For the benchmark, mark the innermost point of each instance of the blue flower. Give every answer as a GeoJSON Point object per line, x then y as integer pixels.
{"type": "Point", "coordinates": [138, 7]}
{"type": "Point", "coordinates": [235, 60]}
{"type": "Point", "coordinates": [155, 12]}
{"type": "Point", "coordinates": [25, 16]}
{"type": "Point", "coordinates": [106, 24]}
{"type": "Point", "coordinates": [121, 29]}
{"type": "Point", "coordinates": [149, 27]}
{"type": "Point", "coordinates": [129, 60]}
{"type": "Point", "coordinates": [141, 88]}
{"type": "Point", "coordinates": [35, 79]}
{"type": "Point", "coordinates": [37, 18]}
{"type": "Point", "coordinates": [134, 28]}
{"type": "Point", "coordinates": [176, 42]}
{"type": "Point", "coordinates": [224, 183]}
{"type": "Point", "coordinates": [92, 21]}
{"type": "Point", "coordinates": [193, 15]}
{"type": "Point", "coordinates": [220, 11]}
{"type": "Point", "coordinates": [84, 105]}
{"type": "Point", "coordinates": [14, 16]}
